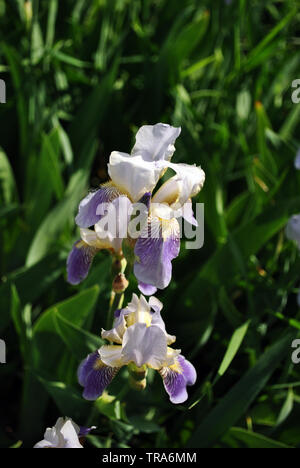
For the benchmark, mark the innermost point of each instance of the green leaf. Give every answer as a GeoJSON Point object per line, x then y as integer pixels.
{"type": "Point", "coordinates": [286, 408]}
{"type": "Point", "coordinates": [236, 402]}
{"type": "Point", "coordinates": [22, 321]}
{"type": "Point", "coordinates": [75, 309]}
{"type": "Point", "coordinates": [68, 400]}
{"type": "Point", "coordinates": [80, 342]}
{"type": "Point", "coordinates": [221, 267]}
{"type": "Point", "coordinates": [30, 282]}
{"type": "Point", "coordinates": [249, 439]}
{"type": "Point", "coordinates": [56, 220]}
{"type": "Point", "coordinates": [233, 347]}
{"type": "Point", "coordinates": [48, 347]}
{"type": "Point", "coordinates": [7, 182]}
{"type": "Point", "coordinates": [52, 13]}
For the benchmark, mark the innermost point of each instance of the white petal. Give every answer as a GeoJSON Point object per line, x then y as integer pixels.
{"type": "Point", "coordinates": [111, 355]}
{"type": "Point", "coordinates": [169, 192]}
{"type": "Point", "coordinates": [155, 142]}
{"type": "Point", "coordinates": [161, 210]}
{"type": "Point", "coordinates": [155, 304]}
{"type": "Point", "coordinates": [70, 436]}
{"type": "Point", "coordinates": [89, 237]}
{"type": "Point", "coordinates": [157, 321]}
{"type": "Point", "coordinates": [44, 444]}
{"type": "Point", "coordinates": [188, 214]}
{"type": "Point", "coordinates": [133, 174]}
{"type": "Point", "coordinates": [191, 178]}
{"type": "Point", "coordinates": [116, 333]}
{"type": "Point", "coordinates": [134, 304]}
{"type": "Point", "coordinates": [145, 345]}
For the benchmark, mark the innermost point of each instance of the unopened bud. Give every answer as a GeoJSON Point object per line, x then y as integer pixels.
{"type": "Point", "coordinates": [120, 283]}
{"type": "Point", "coordinates": [28, 11]}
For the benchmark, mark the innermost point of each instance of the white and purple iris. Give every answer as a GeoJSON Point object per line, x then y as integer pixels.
{"type": "Point", "coordinates": [138, 337]}
{"type": "Point", "coordinates": [65, 434]}
{"type": "Point", "coordinates": [292, 232]}
{"type": "Point", "coordinates": [133, 179]}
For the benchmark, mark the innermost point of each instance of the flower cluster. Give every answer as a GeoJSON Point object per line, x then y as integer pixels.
{"type": "Point", "coordinates": [134, 178]}
{"type": "Point", "coordinates": [138, 338]}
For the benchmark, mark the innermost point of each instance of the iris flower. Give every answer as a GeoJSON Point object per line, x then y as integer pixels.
{"type": "Point", "coordinates": [138, 337]}
{"type": "Point", "coordinates": [133, 179]}
{"type": "Point", "coordinates": [292, 232]}
{"type": "Point", "coordinates": [65, 434]}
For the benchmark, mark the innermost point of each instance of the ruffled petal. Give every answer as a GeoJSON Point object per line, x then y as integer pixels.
{"type": "Point", "coordinates": [86, 367]}
{"type": "Point", "coordinates": [155, 142]}
{"type": "Point", "coordinates": [177, 377]}
{"type": "Point", "coordinates": [155, 249]}
{"type": "Point", "coordinates": [95, 376]}
{"type": "Point", "coordinates": [155, 304]}
{"type": "Point", "coordinates": [169, 191]}
{"type": "Point", "coordinates": [88, 207]}
{"type": "Point", "coordinates": [144, 345]}
{"type": "Point", "coordinates": [111, 355]}
{"type": "Point", "coordinates": [132, 174]}
{"type": "Point", "coordinates": [158, 322]}
{"type": "Point", "coordinates": [115, 335]}
{"type": "Point", "coordinates": [113, 226]}
{"type": "Point", "coordinates": [79, 261]}
{"type": "Point", "coordinates": [191, 179]}
{"type": "Point", "coordinates": [147, 289]}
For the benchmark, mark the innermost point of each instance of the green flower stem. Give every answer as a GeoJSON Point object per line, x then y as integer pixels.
{"type": "Point", "coordinates": [116, 299]}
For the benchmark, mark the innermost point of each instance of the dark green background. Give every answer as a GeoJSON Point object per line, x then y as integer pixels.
{"type": "Point", "coordinates": [82, 76]}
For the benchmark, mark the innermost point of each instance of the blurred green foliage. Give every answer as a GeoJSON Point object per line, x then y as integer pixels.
{"type": "Point", "coordinates": [81, 77]}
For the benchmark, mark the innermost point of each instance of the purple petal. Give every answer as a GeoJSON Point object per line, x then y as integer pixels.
{"type": "Point", "coordinates": [147, 289]}
{"type": "Point", "coordinates": [297, 160]}
{"type": "Point", "coordinates": [86, 367]}
{"type": "Point", "coordinates": [155, 254]}
{"type": "Point", "coordinates": [188, 370]}
{"type": "Point", "coordinates": [79, 261]}
{"type": "Point", "coordinates": [95, 376]}
{"type": "Point", "coordinates": [87, 211]}
{"type": "Point", "coordinates": [117, 313]}
{"type": "Point", "coordinates": [146, 200]}
{"type": "Point", "coordinates": [177, 377]}
{"type": "Point", "coordinates": [84, 431]}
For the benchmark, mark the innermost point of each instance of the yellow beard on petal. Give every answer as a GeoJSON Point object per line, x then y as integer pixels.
{"type": "Point", "coordinates": [176, 367]}
{"type": "Point", "coordinates": [138, 317]}
{"type": "Point", "coordinates": [98, 364]}
{"type": "Point", "coordinates": [116, 189]}
{"type": "Point", "coordinates": [170, 228]}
